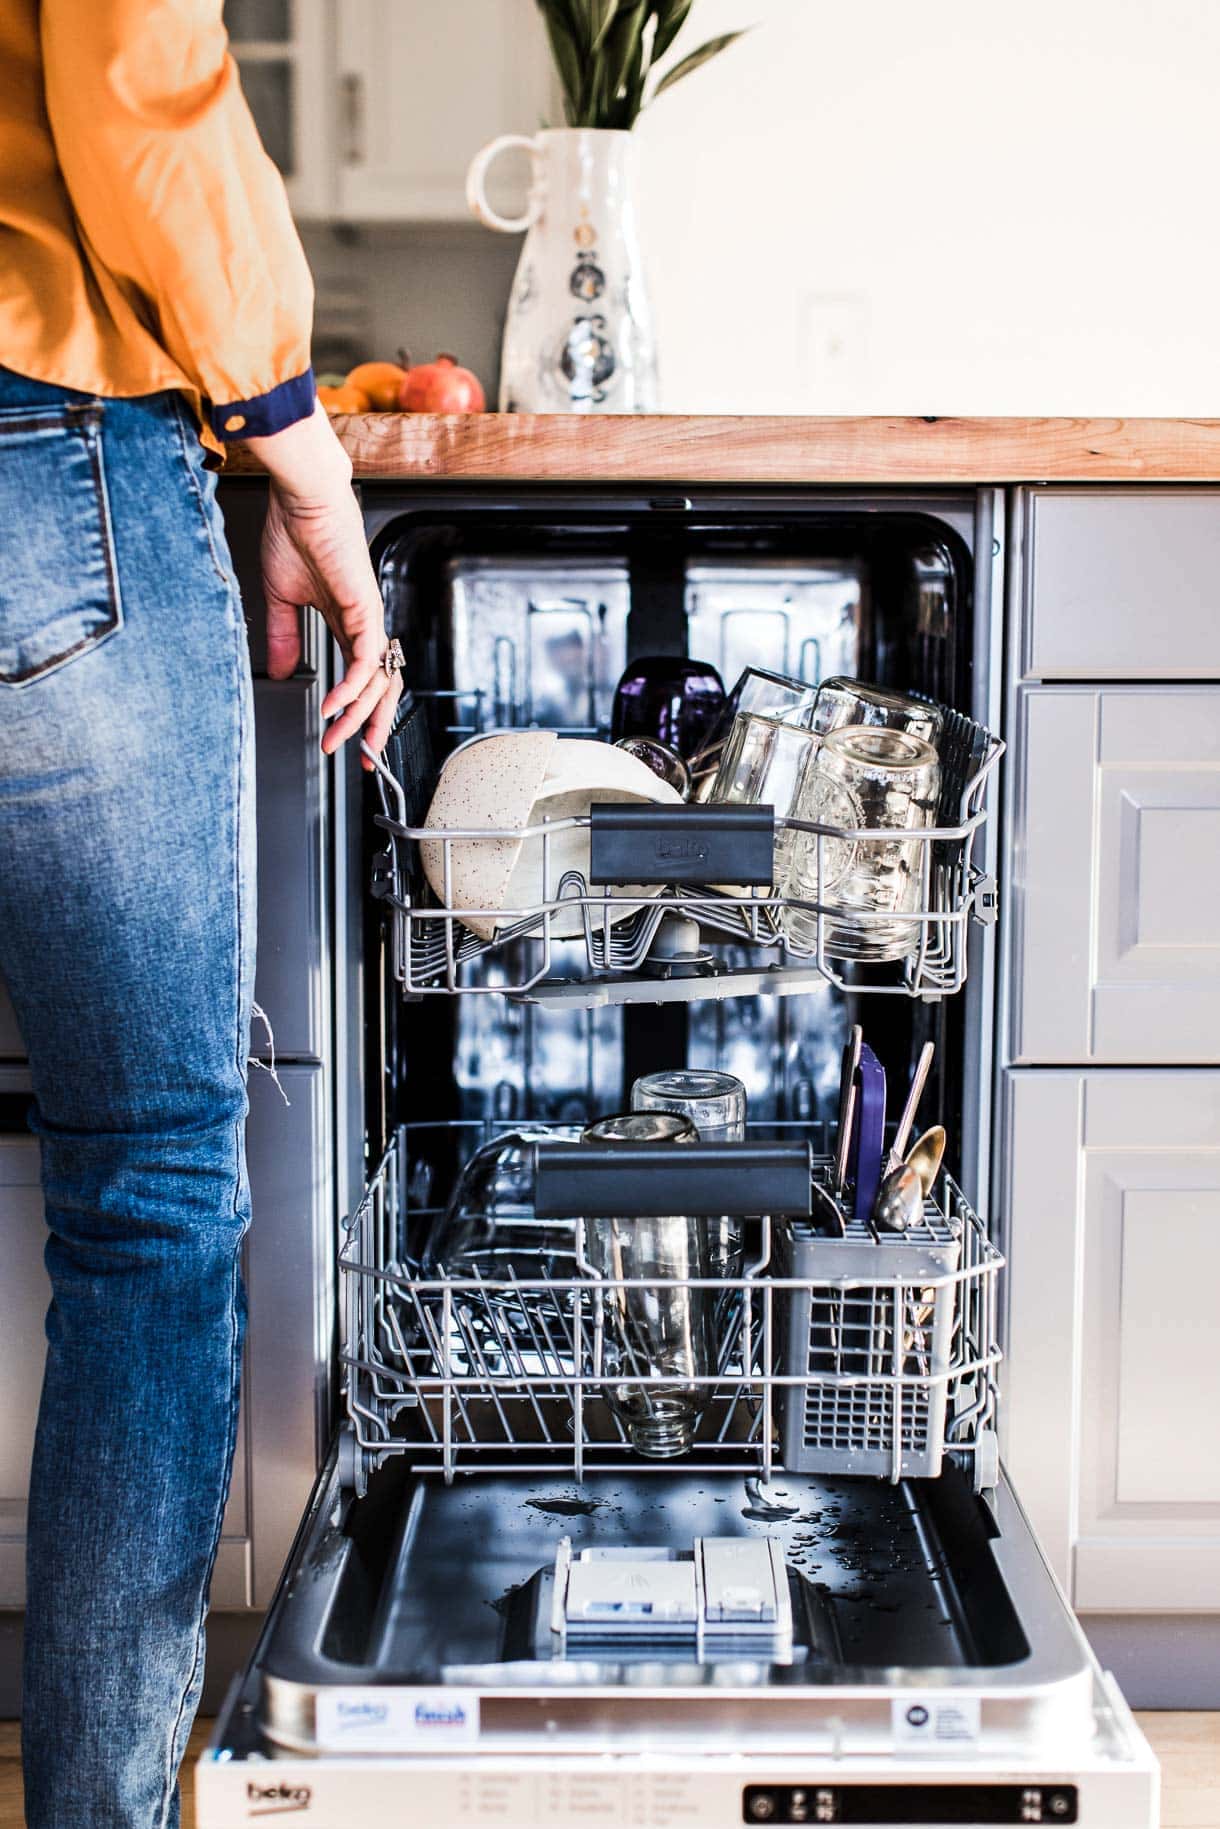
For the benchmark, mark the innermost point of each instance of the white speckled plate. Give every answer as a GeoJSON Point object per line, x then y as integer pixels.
{"type": "Point", "coordinates": [518, 779]}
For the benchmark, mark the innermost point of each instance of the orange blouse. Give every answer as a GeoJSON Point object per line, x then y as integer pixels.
{"type": "Point", "coordinates": [145, 237]}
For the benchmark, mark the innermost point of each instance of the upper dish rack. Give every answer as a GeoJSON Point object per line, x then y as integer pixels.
{"type": "Point", "coordinates": [591, 941]}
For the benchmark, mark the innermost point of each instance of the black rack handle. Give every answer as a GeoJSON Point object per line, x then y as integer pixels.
{"type": "Point", "coordinates": [699, 845]}
{"type": "Point", "coordinates": [637, 1180]}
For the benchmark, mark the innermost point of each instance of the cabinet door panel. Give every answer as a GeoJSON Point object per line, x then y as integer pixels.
{"type": "Point", "coordinates": [1122, 584]}
{"type": "Point", "coordinates": [1116, 876]}
{"type": "Point", "coordinates": [1112, 1392]}
{"type": "Point", "coordinates": [412, 129]}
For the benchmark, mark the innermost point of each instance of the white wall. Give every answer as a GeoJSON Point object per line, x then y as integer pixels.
{"type": "Point", "coordinates": [941, 206]}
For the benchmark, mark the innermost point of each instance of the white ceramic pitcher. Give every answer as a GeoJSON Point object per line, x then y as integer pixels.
{"type": "Point", "coordinates": [578, 335]}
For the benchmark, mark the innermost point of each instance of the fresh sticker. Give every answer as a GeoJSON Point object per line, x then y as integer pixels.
{"type": "Point", "coordinates": [386, 1720]}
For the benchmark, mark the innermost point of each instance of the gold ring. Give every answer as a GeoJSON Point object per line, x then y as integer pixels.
{"type": "Point", "coordinates": [393, 660]}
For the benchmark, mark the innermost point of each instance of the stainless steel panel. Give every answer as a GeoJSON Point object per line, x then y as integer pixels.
{"type": "Point", "coordinates": [1122, 584]}
{"type": "Point", "coordinates": [292, 983]}
{"type": "Point", "coordinates": [290, 1276]}
{"type": "Point", "coordinates": [12, 1046]}
{"type": "Point", "coordinates": [243, 501]}
{"type": "Point", "coordinates": [24, 1294]}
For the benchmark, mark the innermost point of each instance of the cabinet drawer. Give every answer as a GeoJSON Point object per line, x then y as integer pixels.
{"type": "Point", "coordinates": [1112, 1381]}
{"type": "Point", "coordinates": [1116, 876]}
{"type": "Point", "coordinates": [1121, 584]}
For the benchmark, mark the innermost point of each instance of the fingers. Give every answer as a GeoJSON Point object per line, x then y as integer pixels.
{"type": "Point", "coordinates": [283, 635]}
{"type": "Point", "coordinates": [363, 665]}
{"type": "Point", "coordinates": [358, 711]}
{"type": "Point", "coordinates": [378, 727]}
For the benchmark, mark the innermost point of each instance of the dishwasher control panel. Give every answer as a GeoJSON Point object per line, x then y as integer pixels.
{"type": "Point", "coordinates": [922, 1804]}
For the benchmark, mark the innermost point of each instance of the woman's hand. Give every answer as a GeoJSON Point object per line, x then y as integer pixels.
{"type": "Point", "coordinates": [314, 552]}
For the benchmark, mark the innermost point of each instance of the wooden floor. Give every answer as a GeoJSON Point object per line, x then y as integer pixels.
{"type": "Point", "coordinates": [1188, 1747]}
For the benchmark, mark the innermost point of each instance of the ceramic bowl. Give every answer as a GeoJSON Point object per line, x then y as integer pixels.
{"type": "Point", "coordinates": [490, 782]}
{"type": "Point", "coordinates": [519, 779]}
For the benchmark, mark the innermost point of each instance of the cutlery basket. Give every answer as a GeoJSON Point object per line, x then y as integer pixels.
{"type": "Point", "coordinates": [876, 1329]}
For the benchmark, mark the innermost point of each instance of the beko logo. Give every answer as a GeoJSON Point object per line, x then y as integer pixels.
{"type": "Point", "coordinates": [277, 1800]}
{"type": "Point", "coordinates": [360, 1714]}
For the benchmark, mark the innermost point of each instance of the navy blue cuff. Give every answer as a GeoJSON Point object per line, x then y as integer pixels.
{"type": "Point", "coordinates": [266, 413]}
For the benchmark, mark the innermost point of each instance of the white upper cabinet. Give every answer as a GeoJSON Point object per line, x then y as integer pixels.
{"type": "Point", "coordinates": [422, 85]}
{"type": "Point", "coordinates": [1115, 875]}
{"type": "Point", "coordinates": [1121, 584]}
{"type": "Point", "coordinates": [285, 54]}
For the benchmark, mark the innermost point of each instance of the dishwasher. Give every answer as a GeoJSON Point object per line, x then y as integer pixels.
{"type": "Point", "coordinates": [523, 1592]}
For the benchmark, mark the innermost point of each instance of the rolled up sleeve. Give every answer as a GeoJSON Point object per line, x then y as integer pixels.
{"type": "Point", "coordinates": [173, 192]}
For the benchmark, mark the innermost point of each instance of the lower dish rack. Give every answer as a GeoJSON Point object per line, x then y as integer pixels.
{"type": "Point", "coordinates": [678, 930]}
{"type": "Point", "coordinates": [831, 1355]}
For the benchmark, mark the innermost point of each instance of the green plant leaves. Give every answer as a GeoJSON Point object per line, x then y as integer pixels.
{"type": "Point", "coordinates": [703, 55]}
{"type": "Point", "coordinates": [671, 17]}
{"type": "Point", "coordinates": [606, 50]}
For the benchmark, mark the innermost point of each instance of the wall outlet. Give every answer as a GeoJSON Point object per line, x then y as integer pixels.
{"type": "Point", "coordinates": [833, 346]}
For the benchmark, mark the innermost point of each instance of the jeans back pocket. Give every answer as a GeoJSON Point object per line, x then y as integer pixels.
{"type": "Point", "coordinates": [59, 588]}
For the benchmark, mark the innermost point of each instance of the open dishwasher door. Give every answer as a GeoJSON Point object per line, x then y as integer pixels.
{"type": "Point", "coordinates": [829, 1606]}
{"type": "Point", "coordinates": [930, 1672]}
{"type": "Point", "coordinates": [499, 1609]}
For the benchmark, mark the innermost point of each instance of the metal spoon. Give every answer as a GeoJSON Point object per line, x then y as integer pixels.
{"type": "Point", "coordinates": [925, 1156]}
{"type": "Point", "coordinates": [919, 1080]}
{"type": "Point", "coordinates": [899, 1202]}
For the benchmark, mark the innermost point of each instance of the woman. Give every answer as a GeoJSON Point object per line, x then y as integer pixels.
{"type": "Point", "coordinates": [153, 295]}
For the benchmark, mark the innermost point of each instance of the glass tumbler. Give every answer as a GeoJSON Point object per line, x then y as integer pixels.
{"type": "Point", "coordinates": [651, 1331]}
{"type": "Point", "coordinates": [762, 694]}
{"type": "Point", "coordinates": [873, 779]}
{"type": "Point", "coordinates": [843, 701]}
{"type": "Point", "coordinates": [715, 1103]}
{"type": "Point", "coordinates": [762, 764]}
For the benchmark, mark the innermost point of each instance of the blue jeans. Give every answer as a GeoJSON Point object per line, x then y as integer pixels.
{"type": "Point", "coordinates": [126, 942]}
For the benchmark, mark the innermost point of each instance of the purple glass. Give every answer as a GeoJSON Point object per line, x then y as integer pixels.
{"type": "Point", "coordinates": [668, 697]}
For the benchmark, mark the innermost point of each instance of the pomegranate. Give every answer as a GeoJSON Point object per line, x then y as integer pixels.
{"type": "Point", "coordinates": [441, 387]}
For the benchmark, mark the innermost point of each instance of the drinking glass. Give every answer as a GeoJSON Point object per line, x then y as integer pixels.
{"type": "Point", "coordinates": [665, 763]}
{"type": "Point", "coordinates": [842, 701]}
{"type": "Point", "coordinates": [715, 1103]}
{"type": "Point", "coordinates": [762, 764]}
{"type": "Point", "coordinates": [649, 1330]}
{"type": "Point", "coordinates": [763, 694]}
{"type": "Point", "coordinates": [868, 779]}
{"type": "Point", "coordinates": [668, 697]}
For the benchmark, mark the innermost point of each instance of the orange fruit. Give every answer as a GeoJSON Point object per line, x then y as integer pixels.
{"type": "Point", "coordinates": [345, 399]}
{"type": "Point", "coordinates": [381, 381]}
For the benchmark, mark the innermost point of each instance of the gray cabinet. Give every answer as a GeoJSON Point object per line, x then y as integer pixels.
{"type": "Point", "coordinates": [1112, 1386]}
{"type": "Point", "coordinates": [1121, 584]}
{"type": "Point", "coordinates": [286, 1392]}
{"type": "Point", "coordinates": [1116, 877]}
{"type": "Point", "coordinates": [1110, 1125]}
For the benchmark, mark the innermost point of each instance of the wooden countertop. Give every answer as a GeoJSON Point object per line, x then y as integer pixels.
{"type": "Point", "coordinates": [525, 447]}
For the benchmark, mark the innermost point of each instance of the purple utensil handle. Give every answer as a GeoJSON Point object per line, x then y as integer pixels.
{"type": "Point", "coordinates": [868, 1141]}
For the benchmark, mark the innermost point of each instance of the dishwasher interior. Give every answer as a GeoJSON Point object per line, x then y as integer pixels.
{"type": "Point", "coordinates": [815, 1599]}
